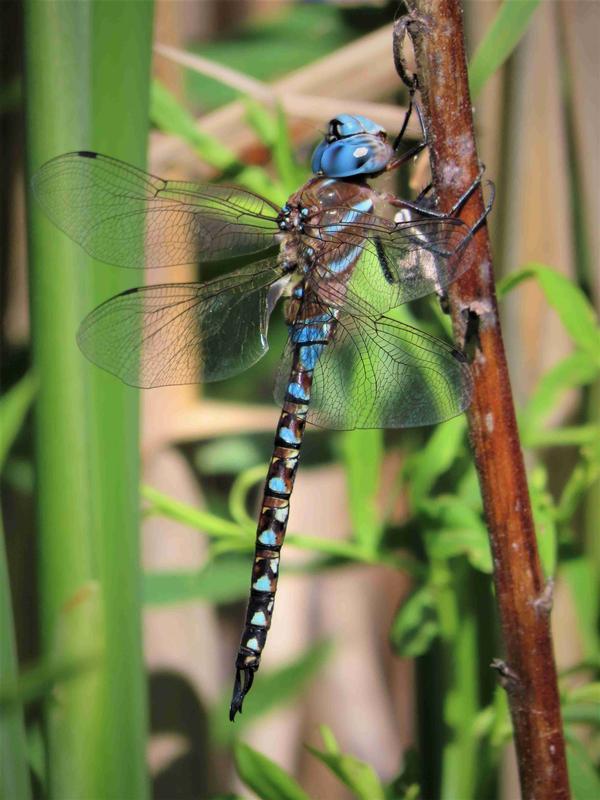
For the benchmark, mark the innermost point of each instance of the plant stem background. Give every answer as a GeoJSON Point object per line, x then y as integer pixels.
{"type": "Point", "coordinates": [386, 532]}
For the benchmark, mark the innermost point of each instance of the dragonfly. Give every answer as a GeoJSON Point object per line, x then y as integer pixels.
{"type": "Point", "coordinates": [342, 255]}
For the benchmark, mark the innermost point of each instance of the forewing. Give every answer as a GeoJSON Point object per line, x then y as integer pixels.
{"type": "Point", "coordinates": [383, 374]}
{"type": "Point", "coordinates": [124, 216]}
{"type": "Point", "coordinates": [183, 332]}
{"type": "Point", "coordinates": [395, 262]}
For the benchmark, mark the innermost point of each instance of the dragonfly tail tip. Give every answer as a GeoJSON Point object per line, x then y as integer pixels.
{"type": "Point", "coordinates": [241, 687]}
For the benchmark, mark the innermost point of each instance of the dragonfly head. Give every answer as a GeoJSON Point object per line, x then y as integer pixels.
{"type": "Point", "coordinates": [353, 145]}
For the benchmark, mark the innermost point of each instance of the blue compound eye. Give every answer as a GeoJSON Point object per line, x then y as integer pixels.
{"type": "Point", "coordinates": [345, 125]}
{"type": "Point", "coordinates": [362, 154]}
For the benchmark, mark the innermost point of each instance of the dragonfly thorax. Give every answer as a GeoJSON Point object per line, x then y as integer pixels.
{"type": "Point", "coordinates": [294, 216]}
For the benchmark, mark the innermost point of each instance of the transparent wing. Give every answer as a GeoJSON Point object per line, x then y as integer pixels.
{"type": "Point", "coordinates": [183, 332]}
{"type": "Point", "coordinates": [395, 262]}
{"type": "Point", "coordinates": [383, 374]}
{"type": "Point", "coordinates": [124, 216]}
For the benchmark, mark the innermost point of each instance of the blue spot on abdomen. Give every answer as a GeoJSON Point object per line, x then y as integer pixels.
{"type": "Point", "coordinates": [277, 485]}
{"type": "Point", "coordinates": [263, 584]}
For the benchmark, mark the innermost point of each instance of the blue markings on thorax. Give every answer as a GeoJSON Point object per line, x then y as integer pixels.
{"type": "Point", "coordinates": [353, 215]}
{"type": "Point", "coordinates": [312, 329]}
{"type": "Point", "coordinates": [308, 357]}
{"type": "Point", "coordinates": [343, 263]}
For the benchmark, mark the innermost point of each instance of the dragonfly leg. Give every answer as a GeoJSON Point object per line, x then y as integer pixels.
{"type": "Point", "coordinates": [423, 193]}
{"type": "Point", "coordinates": [488, 206]}
{"type": "Point", "coordinates": [396, 162]}
{"type": "Point", "coordinates": [418, 206]}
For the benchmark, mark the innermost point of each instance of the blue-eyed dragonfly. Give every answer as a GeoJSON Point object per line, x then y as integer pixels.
{"type": "Point", "coordinates": [346, 255]}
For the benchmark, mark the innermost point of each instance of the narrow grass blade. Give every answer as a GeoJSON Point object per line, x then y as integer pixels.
{"type": "Point", "coordinates": [503, 36]}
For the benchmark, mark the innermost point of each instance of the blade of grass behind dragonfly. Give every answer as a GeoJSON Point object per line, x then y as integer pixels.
{"type": "Point", "coordinates": [503, 35]}
{"type": "Point", "coordinates": [121, 91]}
{"type": "Point", "coordinates": [171, 117]}
{"type": "Point", "coordinates": [14, 770]}
{"type": "Point", "coordinates": [87, 72]}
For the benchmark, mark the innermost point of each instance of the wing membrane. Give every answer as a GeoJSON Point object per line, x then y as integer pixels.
{"type": "Point", "coordinates": [124, 216]}
{"type": "Point", "coordinates": [183, 332]}
{"type": "Point", "coordinates": [383, 374]}
{"type": "Point", "coordinates": [396, 262]}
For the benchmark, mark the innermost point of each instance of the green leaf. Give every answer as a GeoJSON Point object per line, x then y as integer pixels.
{"type": "Point", "coordinates": [585, 473]}
{"type": "Point", "coordinates": [227, 455]}
{"type": "Point", "coordinates": [581, 713]}
{"type": "Point", "coordinates": [583, 583]}
{"type": "Point", "coordinates": [261, 121]}
{"type": "Point", "coordinates": [221, 581]}
{"type": "Point", "coordinates": [406, 785]}
{"type": "Point", "coordinates": [430, 462]}
{"type": "Point", "coordinates": [209, 524]}
{"type": "Point", "coordinates": [453, 527]}
{"type": "Point", "coordinates": [416, 624]}
{"type": "Point", "coordinates": [360, 777]}
{"type": "Point", "coordinates": [589, 693]}
{"type": "Point", "coordinates": [264, 777]}
{"type": "Point", "coordinates": [501, 38]}
{"type": "Point", "coordinates": [577, 369]}
{"type": "Point", "coordinates": [448, 543]}
{"type": "Point", "coordinates": [39, 681]}
{"type": "Point", "coordinates": [583, 777]}
{"type": "Point", "coordinates": [544, 515]}
{"type": "Point", "coordinates": [567, 436]}
{"type": "Point", "coordinates": [270, 689]}
{"type": "Point", "coordinates": [245, 480]}
{"type": "Point", "coordinates": [362, 452]}
{"type": "Point", "coordinates": [170, 116]}
{"type": "Point", "coordinates": [290, 173]}
{"type": "Point", "coordinates": [14, 405]}
{"type": "Point", "coordinates": [571, 304]}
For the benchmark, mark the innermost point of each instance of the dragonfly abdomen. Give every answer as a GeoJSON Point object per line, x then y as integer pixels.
{"type": "Point", "coordinates": [309, 337]}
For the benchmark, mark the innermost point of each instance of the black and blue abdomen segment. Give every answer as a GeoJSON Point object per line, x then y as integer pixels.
{"type": "Point", "coordinates": [308, 337]}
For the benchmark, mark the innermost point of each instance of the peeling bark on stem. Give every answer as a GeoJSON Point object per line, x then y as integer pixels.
{"type": "Point", "coordinates": [528, 674]}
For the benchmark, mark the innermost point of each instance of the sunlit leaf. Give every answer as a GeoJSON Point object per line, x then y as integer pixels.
{"type": "Point", "coordinates": [570, 303]}
{"type": "Point", "coordinates": [501, 38]}
{"type": "Point", "coordinates": [583, 776]}
{"type": "Point", "coordinates": [221, 581]}
{"type": "Point", "coordinates": [210, 524]}
{"type": "Point", "coordinates": [14, 405]}
{"type": "Point", "coordinates": [362, 452]}
{"type": "Point", "coordinates": [360, 777]}
{"type": "Point", "coordinates": [452, 527]}
{"type": "Point", "coordinates": [544, 515]}
{"type": "Point", "coordinates": [265, 777]}
{"type": "Point", "coordinates": [416, 624]}
{"type": "Point", "coordinates": [582, 580]}
{"type": "Point", "coordinates": [430, 462]}
{"type": "Point", "coordinates": [576, 369]}
{"type": "Point", "coordinates": [170, 116]}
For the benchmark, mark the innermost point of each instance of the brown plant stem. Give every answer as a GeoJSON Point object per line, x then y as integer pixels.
{"type": "Point", "coordinates": [528, 674]}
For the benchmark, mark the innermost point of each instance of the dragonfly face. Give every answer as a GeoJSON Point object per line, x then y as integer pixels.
{"type": "Point", "coordinates": [354, 145]}
{"type": "Point", "coordinates": [347, 363]}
